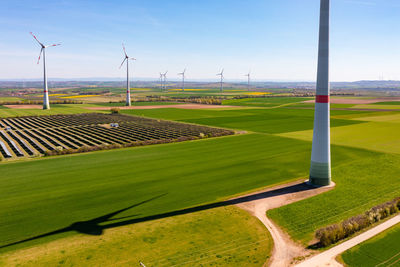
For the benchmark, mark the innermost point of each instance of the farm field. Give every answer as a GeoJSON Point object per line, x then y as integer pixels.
{"type": "Point", "coordinates": [264, 101]}
{"type": "Point", "coordinates": [184, 240]}
{"type": "Point", "coordinates": [55, 110]}
{"type": "Point", "coordinates": [360, 185]}
{"type": "Point", "coordinates": [367, 134]}
{"type": "Point", "coordinates": [359, 175]}
{"type": "Point", "coordinates": [381, 250]}
{"type": "Point", "coordinates": [154, 184]}
{"type": "Point", "coordinates": [87, 187]}
{"type": "Point", "coordinates": [257, 120]}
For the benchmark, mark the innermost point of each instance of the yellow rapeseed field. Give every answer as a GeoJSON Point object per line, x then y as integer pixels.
{"type": "Point", "coordinates": [78, 96]}
{"type": "Point", "coordinates": [259, 93]}
{"type": "Point", "coordinates": [54, 95]}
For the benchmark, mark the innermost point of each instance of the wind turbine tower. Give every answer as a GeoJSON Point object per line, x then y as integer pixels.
{"type": "Point", "coordinates": [248, 81]}
{"type": "Point", "coordinates": [128, 89]}
{"type": "Point", "coordinates": [320, 170]}
{"type": "Point", "coordinates": [183, 79]}
{"type": "Point", "coordinates": [46, 103]}
{"type": "Point", "coordinates": [161, 81]}
{"type": "Point", "coordinates": [165, 79]}
{"type": "Point", "coordinates": [222, 79]}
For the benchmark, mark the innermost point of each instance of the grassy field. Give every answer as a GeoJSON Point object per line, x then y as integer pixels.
{"type": "Point", "coordinates": [396, 103]}
{"type": "Point", "coordinates": [225, 236]}
{"type": "Point", "coordinates": [11, 98]}
{"type": "Point", "coordinates": [150, 185]}
{"type": "Point", "coordinates": [55, 109]}
{"type": "Point", "coordinates": [187, 174]}
{"type": "Point", "coordinates": [135, 104]}
{"type": "Point", "coordinates": [378, 136]}
{"type": "Point", "coordinates": [265, 101]}
{"type": "Point", "coordinates": [381, 250]}
{"type": "Point", "coordinates": [375, 106]}
{"type": "Point", "coordinates": [257, 120]}
{"type": "Point", "coordinates": [360, 185]}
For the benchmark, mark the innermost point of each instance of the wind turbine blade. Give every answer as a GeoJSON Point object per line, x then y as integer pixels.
{"type": "Point", "coordinates": [123, 47]}
{"type": "Point", "coordinates": [132, 58]}
{"type": "Point", "coordinates": [40, 54]}
{"type": "Point", "coordinates": [36, 39]}
{"type": "Point", "coordinates": [53, 45]}
{"type": "Point", "coordinates": [122, 63]}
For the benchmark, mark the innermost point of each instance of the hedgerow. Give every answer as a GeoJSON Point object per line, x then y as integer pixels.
{"type": "Point", "coordinates": [334, 233]}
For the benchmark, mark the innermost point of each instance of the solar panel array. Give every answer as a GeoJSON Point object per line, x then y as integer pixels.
{"type": "Point", "coordinates": [34, 135]}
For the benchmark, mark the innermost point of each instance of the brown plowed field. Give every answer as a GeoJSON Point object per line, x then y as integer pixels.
{"type": "Point", "coordinates": [359, 101]}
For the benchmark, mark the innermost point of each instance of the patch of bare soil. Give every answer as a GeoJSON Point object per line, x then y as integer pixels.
{"type": "Point", "coordinates": [182, 106]}
{"type": "Point", "coordinates": [359, 101]}
{"type": "Point", "coordinates": [24, 106]}
{"type": "Point", "coordinates": [285, 249]}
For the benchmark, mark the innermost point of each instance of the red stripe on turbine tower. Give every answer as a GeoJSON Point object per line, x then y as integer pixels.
{"type": "Point", "coordinates": [322, 99]}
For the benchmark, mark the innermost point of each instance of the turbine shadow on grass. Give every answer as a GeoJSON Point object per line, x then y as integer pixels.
{"type": "Point", "coordinates": [93, 227]}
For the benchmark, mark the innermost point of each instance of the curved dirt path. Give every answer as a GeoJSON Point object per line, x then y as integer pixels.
{"type": "Point", "coordinates": [284, 248]}
{"type": "Point", "coordinates": [327, 258]}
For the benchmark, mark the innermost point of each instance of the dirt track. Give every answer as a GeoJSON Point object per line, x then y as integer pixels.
{"type": "Point", "coordinates": [182, 106]}
{"type": "Point", "coordinates": [284, 248]}
{"type": "Point", "coordinates": [327, 258]}
{"type": "Point", "coordinates": [24, 106]}
{"type": "Point", "coordinates": [359, 101]}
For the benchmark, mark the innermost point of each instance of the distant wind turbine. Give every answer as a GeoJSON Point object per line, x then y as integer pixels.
{"type": "Point", "coordinates": [46, 103]}
{"type": "Point", "coordinates": [161, 81]}
{"type": "Point", "coordinates": [222, 78]}
{"type": "Point", "coordinates": [183, 79]}
{"type": "Point", "coordinates": [248, 81]}
{"type": "Point", "coordinates": [165, 79]}
{"type": "Point", "coordinates": [128, 89]}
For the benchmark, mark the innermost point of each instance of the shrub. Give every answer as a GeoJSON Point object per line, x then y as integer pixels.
{"type": "Point", "coordinates": [114, 111]}
{"type": "Point", "coordinates": [336, 232]}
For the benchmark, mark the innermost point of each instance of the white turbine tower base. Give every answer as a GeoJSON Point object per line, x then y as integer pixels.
{"type": "Point", "coordinates": [128, 89]}
{"type": "Point", "coordinates": [320, 170]}
{"type": "Point", "coordinates": [46, 102]}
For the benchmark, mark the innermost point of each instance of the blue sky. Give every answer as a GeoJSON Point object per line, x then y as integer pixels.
{"type": "Point", "coordinates": [276, 39]}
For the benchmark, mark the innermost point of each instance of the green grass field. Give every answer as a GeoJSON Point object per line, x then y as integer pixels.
{"type": "Point", "coordinates": [265, 101]}
{"type": "Point", "coordinates": [134, 104]}
{"type": "Point", "coordinates": [396, 103]}
{"type": "Point", "coordinates": [186, 174]}
{"type": "Point", "coordinates": [55, 109]}
{"type": "Point", "coordinates": [257, 120]}
{"type": "Point", "coordinates": [378, 136]}
{"type": "Point", "coordinates": [225, 236]}
{"type": "Point", "coordinates": [155, 182]}
{"type": "Point", "coordinates": [360, 185]}
{"type": "Point", "coordinates": [381, 250]}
